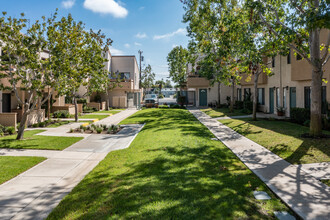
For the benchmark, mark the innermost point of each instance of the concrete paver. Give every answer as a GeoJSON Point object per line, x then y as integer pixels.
{"type": "Point", "coordinates": [303, 193]}
{"type": "Point", "coordinates": [318, 170]}
{"type": "Point", "coordinates": [34, 193]}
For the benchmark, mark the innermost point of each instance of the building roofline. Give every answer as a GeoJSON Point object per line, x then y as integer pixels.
{"type": "Point", "coordinates": [123, 56]}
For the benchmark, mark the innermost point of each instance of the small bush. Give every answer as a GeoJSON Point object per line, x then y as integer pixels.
{"type": "Point", "coordinates": [299, 115]}
{"type": "Point", "coordinates": [42, 124]}
{"type": "Point", "coordinates": [307, 123]}
{"type": "Point", "coordinates": [61, 114]}
{"type": "Point", "coordinates": [11, 130]}
{"type": "Point", "coordinates": [163, 106]}
{"type": "Point", "coordinates": [99, 130]}
{"type": "Point", "coordinates": [35, 125]}
{"type": "Point", "coordinates": [238, 105]}
{"type": "Point", "coordinates": [160, 96]}
{"type": "Point", "coordinates": [248, 105]}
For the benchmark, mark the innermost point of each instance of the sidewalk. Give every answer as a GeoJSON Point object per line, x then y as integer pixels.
{"type": "Point", "coordinates": [36, 192]}
{"type": "Point", "coordinates": [303, 193]}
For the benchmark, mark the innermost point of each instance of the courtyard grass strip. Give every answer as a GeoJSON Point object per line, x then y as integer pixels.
{"type": "Point", "coordinates": [13, 166]}
{"type": "Point", "coordinates": [172, 170]}
{"type": "Point", "coordinates": [92, 116]}
{"type": "Point", "coordinates": [283, 138]}
{"type": "Point", "coordinates": [33, 141]}
{"type": "Point", "coordinates": [222, 112]}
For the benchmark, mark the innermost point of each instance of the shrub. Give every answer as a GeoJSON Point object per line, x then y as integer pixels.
{"type": "Point", "coordinates": [238, 105]}
{"type": "Point", "coordinates": [160, 96]}
{"type": "Point", "coordinates": [248, 105]}
{"type": "Point", "coordinates": [162, 106]}
{"type": "Point", "coordinates": [35, 125]}
{"type": "Point", "coordinates": [42, 124]}
{"type": "Point", "coordinates": [2, 133]}
{"type": "Point", "coordinates": [10, 130]}
{"type": "Point", "coordinates": [307, 123]}
{"type": "Point", "coordinates": [99, 130]}
{"type": "Point", "coordinates": [89, 109]}
{"type": "Point", "coordinates": [299, 115]}
{"type": "Point", "coordinates": [61, 114]}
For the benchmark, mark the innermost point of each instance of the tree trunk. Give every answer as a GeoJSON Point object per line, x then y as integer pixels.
{"type": "Point", "coordinates": [232, 99]}
{"type": "Point", "coordinates": [107, 102]}
{"type": "Point", "coordinates": [219, 95]}
{"type": "Point", "coordinates": [255, 97]}
{"type": "Point", "coordinates": [20, 132]}
{"type": "Point", "coordinates": [316, 102]}
{"type": "Point", "coordinates": [75, 109]}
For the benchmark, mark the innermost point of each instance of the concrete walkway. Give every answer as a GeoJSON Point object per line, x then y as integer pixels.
{"type": "Point", "coordinates": [34, 193]}
{"type": "Point", "coordinates": [303, 193]}
{"type": "Point", "coordinates": [115, 119]}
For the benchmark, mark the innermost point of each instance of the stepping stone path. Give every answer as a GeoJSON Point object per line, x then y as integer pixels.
{"type": "Point", "coordinates": [261, 195]}
{"type": "Point", "coordinates": [284, 216]}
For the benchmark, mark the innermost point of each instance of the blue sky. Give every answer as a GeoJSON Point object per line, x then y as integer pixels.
{"type": "Point", "coordinates": [154, 26]}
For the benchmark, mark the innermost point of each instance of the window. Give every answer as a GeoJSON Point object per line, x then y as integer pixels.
{"type": "Point", "coordinates": [288, 58]}
{"type": "Point", "coordinates": [261, 96]}
{"type": "Point", "coordinates": [307, 96]}
{"type": "Point", "coordinates": [277, 97]}
{"type": "Point", "coordinates": [239, 94]}
{"type": "Point", "coordinates": [273, 61]}
{"type": "Point", "coordinates": [284, 97]}
{"type": "Point", "coordinates": [299, 57]}
{"type": "Point", "coordinates": [247, 94]}
{"type": "Point", "coordinates": [124, 75]}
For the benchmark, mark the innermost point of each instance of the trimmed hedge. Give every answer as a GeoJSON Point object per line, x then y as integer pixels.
{"type": "Point", "coordinates": [300, 115]}
{"type": "Point", "coordinates": [61, 114]}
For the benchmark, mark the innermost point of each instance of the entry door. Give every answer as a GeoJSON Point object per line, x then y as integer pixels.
{"type": "Point", "coordinates": [203, 97]}
{"type": "Point", "coordinates": [271, 100]}
{"type": "Point", "coordinates": [292, 97]}
{"type": "Point", "coordinates": [6, 102]}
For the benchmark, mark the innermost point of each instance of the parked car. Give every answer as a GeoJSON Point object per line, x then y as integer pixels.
{"type": "Point", "coordinates": [150, 101]}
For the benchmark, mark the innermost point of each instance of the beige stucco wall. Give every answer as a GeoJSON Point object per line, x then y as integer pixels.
{"type": "Point", "coordinates": [8, 119]}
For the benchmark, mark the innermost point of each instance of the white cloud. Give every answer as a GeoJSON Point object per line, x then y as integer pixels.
{"type": "Point", "coordinates": [169, 35]}
{"type": "Point", "coordinates": [141, 35]}
{"type": "Point", "coordinates": [174, 45]}
{"type": "Point", "coordinates": [106, 7]}
{"type": "Point", "coordinates": [115, 51]}
{"type": "Point", "coordinates": [137, 44]}
{"type": "Point", "coordinates": [127, 45]}
{"type": "Point", "coordinates": [67, 4]}
{"type": "Point", "coordinates": [141, 8]}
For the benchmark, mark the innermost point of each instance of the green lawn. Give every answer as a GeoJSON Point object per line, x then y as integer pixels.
{"type": "Point", "coordinates": [283, 138]}
{"type": "Point", "coordinates": [115, 111]}
{"type": "Point", "coordinates": [172, 170]}
{"type": "Point", "coordinates": [57, 124]}
{"type": "Point", "coordinates": [221, 112]}
{"type": "Point", "coordinates": [91, 116]}
{"type": "Point", "coordinates": [32, 141]}
{"type": "Point", "coordinates": [13, 166]}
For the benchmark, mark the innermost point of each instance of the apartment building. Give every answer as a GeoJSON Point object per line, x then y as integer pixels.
{"type": "Point", "coordinates": [11, 111]}
{"type": "Point", "coordinates": [288, 87]}
{"type": "Point", "coordinates": [127, 94]}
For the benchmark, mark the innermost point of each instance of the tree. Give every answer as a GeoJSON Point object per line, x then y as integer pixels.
{"type": "Point", "coordinates": [298, 24]}
{"type": "Point", "coordinates": [168, 84]}
{"type": "Point", "coordinates": [215, 31]}
{"type": "Point", "coordinates": [147, 78]}
{"type": "Point", "coordinates": [22, 66]}
{"type": "Point", "coordinates": [79, 56]}
{"type": "Point", "coordinates": [178, 60]}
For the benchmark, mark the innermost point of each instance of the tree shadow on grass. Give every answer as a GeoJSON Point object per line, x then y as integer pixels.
{"type": "Point", "coordinates": [309, 151]}
{"type": "Point", "coordinates": [181, 183]}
